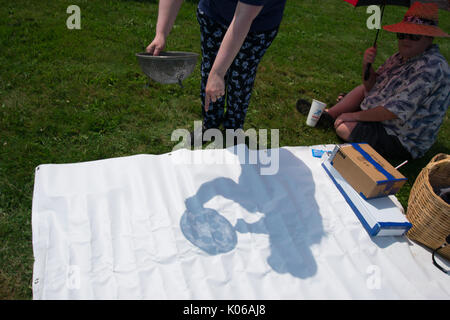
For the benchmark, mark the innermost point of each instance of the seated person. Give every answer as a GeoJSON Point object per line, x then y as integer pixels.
{"type": "Point", "coordinates": [400, 108]}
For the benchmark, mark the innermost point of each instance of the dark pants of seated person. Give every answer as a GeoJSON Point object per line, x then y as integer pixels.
{"type": "Point", "coordinates": [374, 134]}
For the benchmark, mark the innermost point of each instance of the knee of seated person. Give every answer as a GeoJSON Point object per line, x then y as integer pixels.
{"type": "Point", "coordinates": [345, 129]}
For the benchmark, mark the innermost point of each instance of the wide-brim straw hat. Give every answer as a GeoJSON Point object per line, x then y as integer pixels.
{"type": "Point", "coordinates": [421, 19]}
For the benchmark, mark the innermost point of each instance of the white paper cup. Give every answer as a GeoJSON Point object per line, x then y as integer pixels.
{"type": "Point", "coordinates": [315, 112]}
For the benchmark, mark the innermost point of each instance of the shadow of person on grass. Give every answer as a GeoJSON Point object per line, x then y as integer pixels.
{"type": "Point", "coordinates": [290, 215]}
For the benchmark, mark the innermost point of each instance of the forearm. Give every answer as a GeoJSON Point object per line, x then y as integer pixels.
{"type": "Point", "coordinates": [370, 82]}
{"type": "Point", "coordinates": [234, 37]}
{"type": "Point", "coordinates": [376, 114]}
{"type": "Point", "coordinates": [167, 13]}
{"type": "Point", "coordinates": [368, 59]}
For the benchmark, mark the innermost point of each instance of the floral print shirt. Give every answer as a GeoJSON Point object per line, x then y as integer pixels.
{"type": "Point", "coordinates": [417, 91]}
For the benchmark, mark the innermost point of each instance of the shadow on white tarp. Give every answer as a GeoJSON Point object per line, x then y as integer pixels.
{"type": "Point", "coordinates": [288, 213]}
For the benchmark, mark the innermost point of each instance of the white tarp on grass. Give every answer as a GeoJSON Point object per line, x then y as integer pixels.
{"type": "Point", "coordinates": [163, 227]}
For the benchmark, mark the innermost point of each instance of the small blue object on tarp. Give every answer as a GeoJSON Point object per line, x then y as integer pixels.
{"type": "Point", "coordinates": [317, 153]}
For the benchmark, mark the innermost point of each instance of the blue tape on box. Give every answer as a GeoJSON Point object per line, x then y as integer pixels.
{"type": "Point", "coordinates": [390, 179]}
{"type": "Point", "coordinates": [366, 156]}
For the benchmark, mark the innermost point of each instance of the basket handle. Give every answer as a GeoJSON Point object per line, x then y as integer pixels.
{"type": "Point", "coordinates": [440, 157]}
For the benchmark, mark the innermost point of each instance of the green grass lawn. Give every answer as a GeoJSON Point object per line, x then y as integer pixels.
{"type": "Point", "coordinates": [78, 95]}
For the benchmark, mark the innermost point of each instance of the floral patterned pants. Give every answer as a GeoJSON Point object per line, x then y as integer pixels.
{"type": "Point", "coordinates": [239, 78]}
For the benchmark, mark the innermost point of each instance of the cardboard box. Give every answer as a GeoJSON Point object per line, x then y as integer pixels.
{"type": "Point", "coordinates": [366, 170]}
{"type": "Point", "coordinates": [380, 216]}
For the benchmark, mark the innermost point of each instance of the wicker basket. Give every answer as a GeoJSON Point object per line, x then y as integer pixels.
{"type": "Point", "coordinates": [429, 213]}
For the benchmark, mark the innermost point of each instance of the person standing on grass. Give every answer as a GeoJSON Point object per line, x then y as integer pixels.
{"type": "Point", "coordinates": [234, 37]}
{"type": "Point", "coordinates": [400, 108]}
